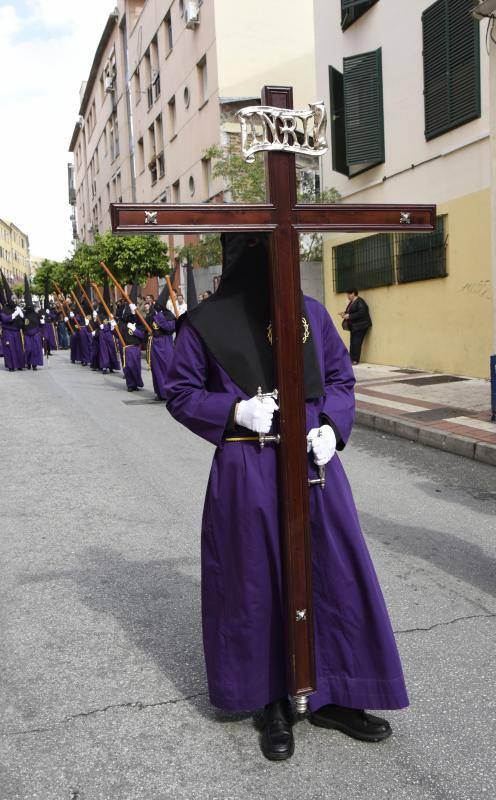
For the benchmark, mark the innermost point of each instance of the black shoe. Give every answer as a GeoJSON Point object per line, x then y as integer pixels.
{"type": "Point", "coordinates": [104, 371]}
{"type": "Point", "coordinates": [277, 741]}
{"type": "Point", "coordinates": [34, 367]}
{"type": "Point", "coordinates": [355, 723]}
{"type": "Point", "coordinates": [84, 364]}
{"type": "Point", "coordinates": [132, 388]}
{"type": "Point", "coordinates": [11, 369]}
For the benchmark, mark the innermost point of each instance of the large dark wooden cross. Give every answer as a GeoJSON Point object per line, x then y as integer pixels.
{"type": "Point", "coordinates": [283, 218]}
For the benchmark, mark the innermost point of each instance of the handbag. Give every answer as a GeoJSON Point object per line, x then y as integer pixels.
{"type": "Point", "coordinates": [345, 325]}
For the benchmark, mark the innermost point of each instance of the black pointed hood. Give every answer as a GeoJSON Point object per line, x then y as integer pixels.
{"type": "Point", "coordinates": [9, 300]}
{"type": "Point", "coordinates": [47, 294]}
{"type": "Point", "coordinates": [28, 299]}
{"type": "Point", "coordinates": [133, 294]}
{"type": "Point", "coordinates": [161, 302]}
{"type": "Point", "coordinates": [106, 290]}
{"type": "Point", "coordinates": [191, 295]}
{"type": "Point", "coordinates": [235, 322]}
{"type": "Point", "coordinates": [2, 296]}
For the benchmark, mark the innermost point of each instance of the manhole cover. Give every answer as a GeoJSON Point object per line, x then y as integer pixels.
{"type": "Point", "coordinates": [433, 380]}
{"type": "Point", "coordinates": [437, 413]}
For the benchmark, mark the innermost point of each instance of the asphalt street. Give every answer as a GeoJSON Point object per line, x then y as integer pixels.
{"type": "Point", "coordinates": [102, 676]}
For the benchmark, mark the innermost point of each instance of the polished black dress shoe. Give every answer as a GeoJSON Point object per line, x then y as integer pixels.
{"type": "Point", "coordinates": [277, 741]}
{"type": "Point", "coordinates": [353, 722]}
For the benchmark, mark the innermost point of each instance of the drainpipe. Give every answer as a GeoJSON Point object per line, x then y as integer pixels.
{"type": "Point", "coordinates": [130, 131]}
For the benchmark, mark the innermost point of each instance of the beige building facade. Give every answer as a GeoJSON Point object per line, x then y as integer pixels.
{"type": "Point", "coordinates": [407, 89]}
{"type": "Point", "coordinates": [166, 81]}
{"type": "Point", "coordinates": [14, 252]}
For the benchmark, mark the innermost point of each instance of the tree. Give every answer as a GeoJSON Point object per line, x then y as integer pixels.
{"type": "Point", "coordinates": [246, 184]}
{"type": "Point", "coordinates": [131, 258]}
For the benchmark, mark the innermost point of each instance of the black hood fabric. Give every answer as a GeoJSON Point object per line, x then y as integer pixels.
{"type": "Point", "coordinates": [9, 300]}
{"type": "Point", "coordinates": [106, 290]}
{"type": "Point", "coordinates": [2, 296]}
{"type": "Point", "coordinates": [47, 294]}
{"type": "Point", "coordinates": [30, 316]}
{"type": "Point", "coordinates": [234, 323]}
{"type": "Point", "coordinates": [161, 302]}
{"type": "Point", "coordinates": [191, 295]}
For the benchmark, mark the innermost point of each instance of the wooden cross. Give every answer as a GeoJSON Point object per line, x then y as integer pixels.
{"type": "Point", "coordinates": [283, 218]}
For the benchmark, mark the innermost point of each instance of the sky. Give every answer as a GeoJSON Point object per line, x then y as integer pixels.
{"type": "Point", "coordinates": [46, 51]}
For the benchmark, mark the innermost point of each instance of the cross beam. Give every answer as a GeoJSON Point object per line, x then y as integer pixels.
{"type": "Point", "coordinates": [283, 218]}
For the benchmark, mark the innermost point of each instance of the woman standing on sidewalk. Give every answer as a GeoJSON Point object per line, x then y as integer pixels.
{"type": "Point", "coordinates": [356, 320]}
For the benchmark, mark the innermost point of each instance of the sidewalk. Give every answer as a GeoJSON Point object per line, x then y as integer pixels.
{"type": "Point", "coordinates": [449, 412]}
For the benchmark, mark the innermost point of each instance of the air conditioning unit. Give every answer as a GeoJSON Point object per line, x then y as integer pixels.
{"type": "Point", "coordinates": [191, 14]}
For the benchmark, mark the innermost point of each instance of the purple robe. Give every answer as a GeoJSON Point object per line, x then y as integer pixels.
{"type": "Point", "coordinates": [49, 330]}
{"type": "Point", "coordinates": [85, 337]}
{"type": "Point", "coordinates": [95, 347]}
{"type": "Point", "coordinates": [131, 360]}
{"type": "Point", "coordinates": [161, 350]}
{"type": "Point", "coordinates": [12, 340]}
{"type": "Point", "coordinates": [108, 356]}
{"type": "Point", "coordinates": [33, 347]}
{"type": "Point", "coordinates": [357, 662]}
{"type": "Point", "coordinates": [74, 345]}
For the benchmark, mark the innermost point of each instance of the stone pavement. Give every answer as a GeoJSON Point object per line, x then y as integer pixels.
{"type": "Point", "coordinates": [449, 412]}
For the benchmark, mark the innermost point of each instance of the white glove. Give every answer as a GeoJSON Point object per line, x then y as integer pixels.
{"type": "Point", "coordinates": [101, 327]}
{"type": "Point", "coordinates": [131, 326]}
{"type": "Point", "coordinates": [323, 443]}
{"type": "Point", "coordinates": [71, 313]}
{"type": "Point", "coordinates": [16, 312]}
{"type": "Point", "coordinates": [93, 333]}
{"type": "Point", "coordinates": [256, 414]}
{"type": "Point", "coordinates": [95, 315]}
{"type": "Point", "coordinates": [42, 320]}
{"type": "Point", "coordinates": [113, 323]}
{"type": "Point", "coordinates": [132, 308]}
{"type": "Point", "coordinates": [86, 320]}
{"type": "Point", "coordinates": [21, 312]}
{"type": "Point", "coordinates": [66, 319]}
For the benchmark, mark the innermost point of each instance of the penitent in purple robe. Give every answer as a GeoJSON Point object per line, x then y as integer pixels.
{"type": "Point", "coordinates": [49, 330]}
{"type": "Point", "coordinates": [357, 661]}
{"type": "Point", "coordinates": [84, 343]}
{"type": "Point", "coordinates": [33, 346]}
{"type": "Point", "coordinates": [161, 351]}
{"type": "Point", "coordinates": [12, 340]}
{"type": "Point", "coordinates": [108, 355]}
{"type": "Point", "coordinates": [131, 359]}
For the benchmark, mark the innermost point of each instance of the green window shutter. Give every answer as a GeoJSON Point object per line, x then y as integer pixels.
{"type": "Point", "coordinates": [451, 66]}
{"type": "Point", "coordinates": [363, 111]}
{"type": "Point", "coordinates": [351, 10]}
{"type": "Point", "coordinates": [364, 263]}
{"type": "Point", "coordinates": [422, 255]}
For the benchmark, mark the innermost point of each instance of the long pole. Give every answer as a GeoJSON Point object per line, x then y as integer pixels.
{"type": "Point", "coordinates": [126, 297]}
{"type": "Point", "coordinates": [172, 295]}
{"type": "Point", "coordinates": [85, 293]}
{"type": "Point", "coordinates": [110, 315]}
{"type": "Point", "coordinates": [74, 297]}
{"type": "Point", "coordinates": [65, 307]}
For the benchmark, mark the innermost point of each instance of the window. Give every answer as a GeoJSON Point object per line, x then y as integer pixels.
{"type": "Point", "coordinates": [422, 255]}
{"type": "Point", "coordinates": [364, 263]}
{"type": "Point", "coordinates": [172, 117]}
{"type": "Point", "coordinates": [386, 259]}
{"type": "Point", "coordinates": [176, 194]}
{"type": "Point", "coordinates": [140, 154]}
{"type": "Point", "coordinates": [451, 66]}
{"type": "Point", "coordinates": [168, 33]}
{"type": "Point", "coordinates": [161, 164]}
{"type": "Point", "coordinates": [152, 163]}
{"type": "Point", "coordinates": [362, 140]}
{"type": "Point", "coordinates": [191, 185]}
{"type": "Point", "coordinates": [156, 86]}
{"type": "Point", "coordinates": [207, 177]}
{"type": "Point", "coordinates": [136, 86]}
{"type": "Point", "coordinates": [159, 134]}
{"type": "Point", "coordinates": [351, 10]}
{"type": "Point", "coordinates": [201, 69]}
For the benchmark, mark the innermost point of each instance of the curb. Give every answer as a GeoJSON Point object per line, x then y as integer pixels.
{"type": "Point", "coordinates": [441, 440]}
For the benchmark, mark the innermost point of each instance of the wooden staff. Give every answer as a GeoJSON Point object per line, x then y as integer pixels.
{"type": "Point", "coordinates": [172, 295]}
{"type": "Point", "coordinates": [85, 293]}
{"type": "Point", "coordinates": [110, 315]}
{"type": "Point", "coordinates": [65, 307]}
{"type": "Point", "coordinates": [74, 297]}
{"type": "Point", "coordinates": [126, 297]}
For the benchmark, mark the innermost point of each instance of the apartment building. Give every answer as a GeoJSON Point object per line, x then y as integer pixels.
{"type": "Point", "coordinates": [407, 89]}
{"type": "Point", "coordinates": [167, 79]}
{"type": "Point", "coordinates": [14, 252]}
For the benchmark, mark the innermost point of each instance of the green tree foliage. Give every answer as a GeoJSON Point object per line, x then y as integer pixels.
{"type": "Point", "coordinates": [130, 258]}
{"type": "Point", "coordinates": [206, 253]}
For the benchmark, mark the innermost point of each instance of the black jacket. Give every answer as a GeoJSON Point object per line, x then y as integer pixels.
{"type": "Point", "coordinates": [359, 319]}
